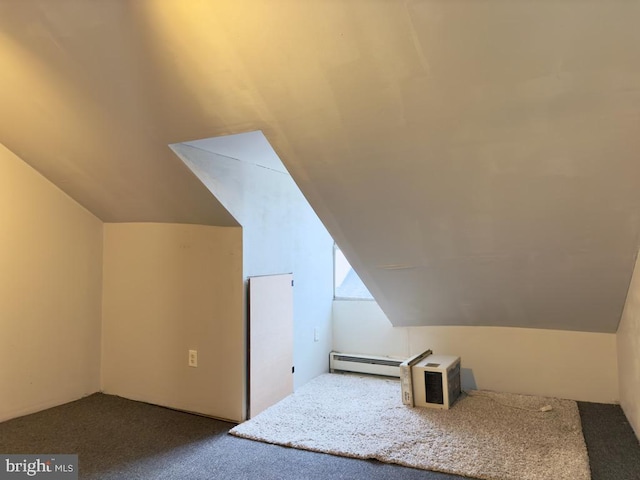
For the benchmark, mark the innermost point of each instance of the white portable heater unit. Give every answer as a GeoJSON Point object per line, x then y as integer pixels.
{"type": "Point", "coordinates": [371, 364]}
{"type": "Point", "coordinates": [436, 381]}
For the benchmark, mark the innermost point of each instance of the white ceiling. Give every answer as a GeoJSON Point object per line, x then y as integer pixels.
{"type": "Point", "coordinates": [477, 161]}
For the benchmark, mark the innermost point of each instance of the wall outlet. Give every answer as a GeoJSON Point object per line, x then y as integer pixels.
{"type": "Point", "coordinates": [193, 358]}
{"type": "Point", "coordinates": [316, 334]}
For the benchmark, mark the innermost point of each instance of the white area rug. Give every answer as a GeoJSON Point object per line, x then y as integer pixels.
{"type": "Point", "coordinates": [482, 436]}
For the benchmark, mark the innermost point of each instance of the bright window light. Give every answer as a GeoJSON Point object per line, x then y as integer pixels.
{"type": "Point", "coordinates": [347, 283]}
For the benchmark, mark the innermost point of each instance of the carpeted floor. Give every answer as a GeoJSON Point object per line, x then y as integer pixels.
{"type": "Point", "coordinates": [486, 435]}
{"type": "Point", "coordinates": [122, 439]}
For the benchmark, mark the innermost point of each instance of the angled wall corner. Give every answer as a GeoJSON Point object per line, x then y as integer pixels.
{"type": "Point", "coordinates": [628, 340]}
{"type": "Point", "coordinates": [50, 293]}
{"type": "Point", "coordinates": [280, 233]}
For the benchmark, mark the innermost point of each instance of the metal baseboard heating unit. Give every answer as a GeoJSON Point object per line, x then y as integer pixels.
{"type": "Point", "coordinates": [371, 364]}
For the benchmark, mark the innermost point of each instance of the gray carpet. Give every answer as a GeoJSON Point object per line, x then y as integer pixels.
{"type": "Point", "coordinates": [122, 439]}
{"type": "Point", "coordinates": [486, 435]}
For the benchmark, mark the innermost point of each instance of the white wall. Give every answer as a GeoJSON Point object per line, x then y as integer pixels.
{"type": "Point", "coordinates": [575, 365]}
{"type": "Point", "coordinates": [169, 288]}
{"type": "Point", "coordinates": [629, 353]}
{"type": "Point", "coordinates": [281, 233]}
{"type": "Point", "coordinates": [50, 293]}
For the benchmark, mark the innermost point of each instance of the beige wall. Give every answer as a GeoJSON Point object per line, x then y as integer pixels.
{"type": "Point", "coordinates": [576, 365]}
{"type": "Point", "coordinates": [50, 293]}
{"type": "Point", "coordinates": [629, 353]}
{"type": "Point", "coordinates": [169, 288]}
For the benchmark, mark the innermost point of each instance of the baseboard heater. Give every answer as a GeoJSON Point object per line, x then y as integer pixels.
{"type": "Point", "coordinates": [371, 364]}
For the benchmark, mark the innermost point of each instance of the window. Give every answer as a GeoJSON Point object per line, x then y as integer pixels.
{"type": "Point", "coordinates": [346, 282]}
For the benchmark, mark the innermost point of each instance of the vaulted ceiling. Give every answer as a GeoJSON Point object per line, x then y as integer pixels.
{"type": "Point", "coordinates": [477, 161]}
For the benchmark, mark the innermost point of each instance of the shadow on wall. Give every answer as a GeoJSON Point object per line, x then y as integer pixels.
{"type": "Point", "coordinates": [467, 379]}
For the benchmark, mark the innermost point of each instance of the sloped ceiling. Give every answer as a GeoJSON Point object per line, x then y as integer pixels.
{"type": "Point", "coordinates": [477, 161]}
